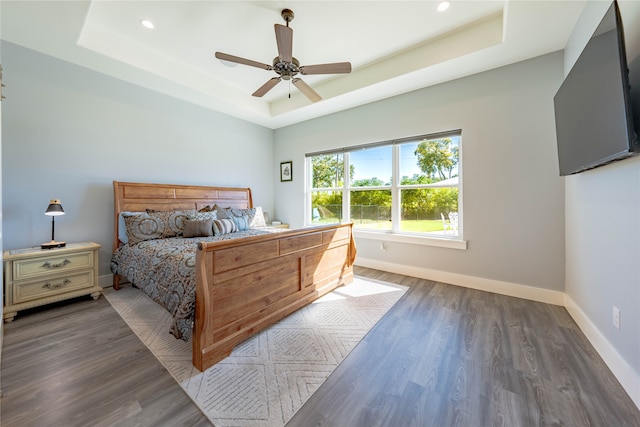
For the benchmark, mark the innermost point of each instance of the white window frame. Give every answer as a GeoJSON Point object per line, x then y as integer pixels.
{"type": "Point", "coordinates": [395, 234]}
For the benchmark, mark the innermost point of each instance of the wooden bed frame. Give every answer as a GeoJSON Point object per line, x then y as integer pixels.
{"type": "Point", "coordinates": [245, 285]}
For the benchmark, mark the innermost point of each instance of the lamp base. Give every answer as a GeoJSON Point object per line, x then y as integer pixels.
{"type": "Point", "coordinates": [53, 244]}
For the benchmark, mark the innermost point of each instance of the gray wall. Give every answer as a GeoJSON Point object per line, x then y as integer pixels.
{"type": "Point", "coordinates": [68, 132]}
{"type": "Point", "coordinates": [603, 234]}
{"type": "Point", "coordinates": [513, 197]}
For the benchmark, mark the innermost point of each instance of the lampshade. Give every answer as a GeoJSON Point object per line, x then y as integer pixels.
{"type": "Point", "coordinates": [55, 208]}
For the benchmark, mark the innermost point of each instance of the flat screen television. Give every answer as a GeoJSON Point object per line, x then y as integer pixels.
{"type": "Point", "coordinates": [597, 108]}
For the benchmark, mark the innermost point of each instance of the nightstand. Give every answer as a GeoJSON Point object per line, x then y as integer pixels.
{"type": "Point", "coordinates": [35, 277]}
{"type": "Point", "coordinates": [272, 225]}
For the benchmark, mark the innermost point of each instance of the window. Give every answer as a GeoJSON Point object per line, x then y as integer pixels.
{"type": "Point", "coordinates": [405, 187]}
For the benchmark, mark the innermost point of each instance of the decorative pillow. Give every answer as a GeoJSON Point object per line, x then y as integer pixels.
{"type": "Point", "coordinates": [202, 215]}
{"type": "Point", "coordinates": [224, 213]}
{"type": "Point", "coordinates": [198, 228]}
{"type": "Point", "coordinates": [122, 226]}
{"type": "Point", "coordinates": [256, 217]}
{"type": "Point", "coordinates": [143, 226]}
{"type": "Point", "coordinates": [154, 225]}
{"type": "Point", "coordinates": [175, 221]}
{"type": "Point", "coordinates": [242, 222]}
{"type": "Point", "coordinates": [224, 226]}
{"type": "Point", "coordinates": [209, 208]}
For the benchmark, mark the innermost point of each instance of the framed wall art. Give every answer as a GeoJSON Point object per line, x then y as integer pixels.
{"type": "Point", "coordinates": [286, 171]}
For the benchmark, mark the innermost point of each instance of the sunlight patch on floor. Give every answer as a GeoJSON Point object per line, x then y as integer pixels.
{"type": "Point", "coordinates": [359, 288]}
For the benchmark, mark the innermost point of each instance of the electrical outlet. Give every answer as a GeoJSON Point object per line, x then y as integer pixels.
{"type": "Point", "coordinates": [616, 317]}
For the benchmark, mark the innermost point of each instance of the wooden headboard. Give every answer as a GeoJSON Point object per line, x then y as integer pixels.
{"type": "Point", "coordinates": [137, 197]}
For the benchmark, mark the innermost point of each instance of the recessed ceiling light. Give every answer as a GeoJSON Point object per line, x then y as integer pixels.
{"type": "Point", "coordinates": [443, 6]}
{"type": "Point", "coordinates": [147, 24]}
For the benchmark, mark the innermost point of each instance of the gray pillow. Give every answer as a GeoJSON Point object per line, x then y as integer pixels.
{"type": "Point", "coordinates": [198, 228]}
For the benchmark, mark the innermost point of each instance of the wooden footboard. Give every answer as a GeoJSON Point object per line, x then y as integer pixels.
{"type": "Point", "coordinates": [245, 285]}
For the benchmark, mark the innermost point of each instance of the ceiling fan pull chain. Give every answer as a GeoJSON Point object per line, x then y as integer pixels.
{"type": "Point", "coordinates": [289, 89]}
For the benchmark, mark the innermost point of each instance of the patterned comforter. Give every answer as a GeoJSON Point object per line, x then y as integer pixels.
{"type": "Point", "coordinates": [165, 270]}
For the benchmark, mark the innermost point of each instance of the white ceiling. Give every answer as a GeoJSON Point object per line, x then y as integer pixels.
{"type": "Point", "coordinates": [393, 46]}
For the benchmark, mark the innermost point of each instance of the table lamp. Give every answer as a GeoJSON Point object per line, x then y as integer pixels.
{"type": "Point", "coordinates": [54, 209]}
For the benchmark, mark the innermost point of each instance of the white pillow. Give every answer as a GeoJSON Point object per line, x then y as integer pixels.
{"type": "Point", "coordinates": [256, 217]}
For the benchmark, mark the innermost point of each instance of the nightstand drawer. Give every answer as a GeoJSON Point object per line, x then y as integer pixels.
{"type": "Point", "coordinates": [32, 268]}
{"type": "Point", "coordinates": [52, 286]}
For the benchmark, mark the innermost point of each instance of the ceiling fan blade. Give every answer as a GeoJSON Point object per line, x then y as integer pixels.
{"type": "Point", "coordinates": [267, 86]}
{"type": "Point", "coordinates": [335, 68]}
{"type": "Point", "coordinates": [243, 61]}
{"type": "Point", "coordinates": [284, 38]}
{"type": "Point", "coordinates": [306, 90]}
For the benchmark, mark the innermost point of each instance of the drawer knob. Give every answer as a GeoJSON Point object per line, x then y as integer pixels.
{"type": "Point", "coordinates": [50, 266]}
{"type": "Point", "coordinates": [64, 283]}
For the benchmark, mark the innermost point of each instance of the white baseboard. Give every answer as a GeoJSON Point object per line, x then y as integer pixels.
{"type": "Point", "coordinates": [624, 373]}
{"type": "Point", "coordinates": [105, 281]}
{"type": "Point", "coordinates": [504, 288]}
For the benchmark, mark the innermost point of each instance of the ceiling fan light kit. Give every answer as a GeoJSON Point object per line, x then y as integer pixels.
{"type": "Point", "coordinates": [285, 65]}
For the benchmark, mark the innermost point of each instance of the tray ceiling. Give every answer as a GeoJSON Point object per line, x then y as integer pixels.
{"type": "Point", "coordinates": [393, 46]}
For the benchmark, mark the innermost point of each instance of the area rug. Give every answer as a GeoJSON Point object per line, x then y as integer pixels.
{"type": "Point", "coordinates": [268, 377]}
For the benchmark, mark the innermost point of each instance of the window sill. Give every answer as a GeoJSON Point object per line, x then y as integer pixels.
{"type": "Point", "coordinates": [387, 236]}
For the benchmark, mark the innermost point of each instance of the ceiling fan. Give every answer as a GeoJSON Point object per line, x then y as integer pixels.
{"type": "Point", "coordinates": [286, 66]}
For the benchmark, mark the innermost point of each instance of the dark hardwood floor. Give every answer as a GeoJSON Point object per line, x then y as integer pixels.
{"type": "Point", "coordinates": [443, 356]}
{"type": "Point", "coordinates": [452, 356]}
{"type": "Point", "coordinates": [77, 363]}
